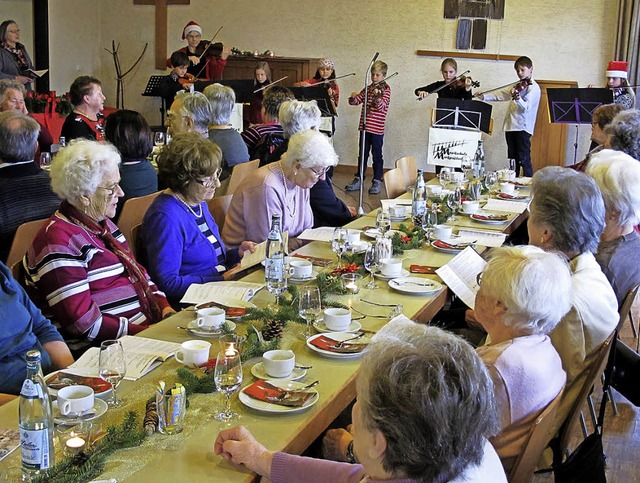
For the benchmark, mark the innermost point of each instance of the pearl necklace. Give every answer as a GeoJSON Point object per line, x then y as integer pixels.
{"type": "Point", "coordinates": [181, 200]}
{"type": "Point", "coordinates": [291, 207]}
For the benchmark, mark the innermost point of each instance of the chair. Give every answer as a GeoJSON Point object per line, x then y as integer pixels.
{"type": "Point", "coordinates": [22, 240]}
{"type": "Point", "coordinates": [137, 246]}
{"type": "Point", "coordinates": [539, 437]}
{"type": "Point", "coordinates": [240, 171]}
{"type": "Point", "coordinates": [132, 213]}
{"type": "Point", "coordinates": [219, 208]}
{"type": "Point", "coordinates": [407, 165]}
{"type": "Point", "coordinates": [394, 183]}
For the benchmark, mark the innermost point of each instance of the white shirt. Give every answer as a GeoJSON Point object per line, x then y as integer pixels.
{"type": "Point", "coordinates": [522, 112]}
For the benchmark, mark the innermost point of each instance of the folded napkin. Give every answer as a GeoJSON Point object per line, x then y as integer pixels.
{"type": "Point", "coordinates": [505, 196]}
{"type": "Point", "coordinates": [478, 216]}
{"type": "Point", "coordinates": [317, 261]}
{"type": "Point", "coordinates": [263, 391]}
{"type": "Point", "coordinates": [451, 246]}
{"type": "Point", "coordinates": [229, 311]}
{"type": "Point", "coordinates": [62, 380]}
{"type": "Point", "coordinates": [422, 269]}
{"type": "Point", "coordinates": [328, 344]}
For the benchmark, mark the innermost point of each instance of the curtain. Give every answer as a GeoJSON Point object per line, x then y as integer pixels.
{"type": "Point", "coordinates": [628, 37]}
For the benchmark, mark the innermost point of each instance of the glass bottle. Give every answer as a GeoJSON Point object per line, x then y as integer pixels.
{"type": "Point", "coordinates": [478, 161]}
{"type": "Point", "coordinates": [274, 269]}
{"type": "Point", "coordinates": [419, 199]}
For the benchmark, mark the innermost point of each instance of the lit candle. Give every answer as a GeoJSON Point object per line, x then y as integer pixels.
{"type": "Point", "coordinates": [75, 443]}
{"type": "Point", "coordinates": [230, 349]}
{"type": "Point", "coordinates": [350, 282]}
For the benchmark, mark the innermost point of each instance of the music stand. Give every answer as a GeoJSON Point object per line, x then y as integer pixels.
{"type": "Point", "coordinates": [462, 114]}
{"type": "Point", "coordinates": [153, 90]}
{"type": "Point", "coordinates": [320, 94]}
{"type": "Point", "coordinates": [243, 88]}
{"type": "Point", "coordinates": [576, 106]}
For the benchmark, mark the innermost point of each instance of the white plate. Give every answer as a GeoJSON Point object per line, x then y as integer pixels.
{"type": "Point", "coordinates": [398, 219]}
{"type": "Point", "coordinates": [258, 371]}
{"type": "Point", "coordinates": [353, 327]}
{"type": "Point", "coordinates": [360, 247]}
{"type": "Point", "coordinates": [193, 328]}
{"type": "Point", "coordinates": [403, 273]}
{"type": "Point", "coordinates": [374, 232]}
{"type": "Point", "coordinates": [453, 251]}
{"type": "Point", "coordinates": [337, 336]}
{"type": "Point", "coordinates": [234, 302]}
{"type": "Point", "coordinates": [276, 408]}
{"type": "Point", "coordinates": [516, 197]}
{"type": "Point", "coordinates": [300, 281]}
{"type": "Point", "coordinates": [99, 407]}
{"type": "Point", "coordinates": [419, 286]}
{"type": "Point", "coordinates": [488, 222]}
{"type": "Point", "coordinates": [80, 371]}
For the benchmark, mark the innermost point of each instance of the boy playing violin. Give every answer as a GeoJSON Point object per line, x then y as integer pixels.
{"type": "Point", "coordinates": [177, 80]}
{"type": "Point", "coordinates": [378, 97]}
{"type": "Point", "coordinates": [524, 97]}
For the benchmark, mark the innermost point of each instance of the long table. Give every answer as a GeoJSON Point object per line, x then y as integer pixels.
{"type": "Point", "coordinates": [190, 453]}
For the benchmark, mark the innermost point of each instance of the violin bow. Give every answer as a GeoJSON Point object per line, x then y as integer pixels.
{"type": "Point", "coordinates": [269, 85]}
{"type": "Point", "coordinates": [497, 88]}
{"type": "Point", "coordinates": [210, 42]}
{"type": "Point", "coordinates": [455, 79]}
{"type": "Point", "coordinates": [327, 81]}
{"type": "Point", "coordinates": [384, 80]}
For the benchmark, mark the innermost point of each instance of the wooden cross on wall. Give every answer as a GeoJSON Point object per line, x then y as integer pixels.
{"type": "Point", "coordinates": [161, 27]}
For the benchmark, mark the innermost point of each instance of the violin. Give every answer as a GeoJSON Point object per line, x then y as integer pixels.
{"type": "Point", "coordinates": [187, 79]}
{"type": "Point", "coordinates": [462, 82]}
{"type": "Point", "coordinates": [519, 87]}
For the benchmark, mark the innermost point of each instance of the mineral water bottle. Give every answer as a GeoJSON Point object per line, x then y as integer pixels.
{"type": "Point", "coordinates": [36, 421]}
{"type": "Point", "coordinates": [478, 161]}
{"type": "Point", "coordinates": [419, 199]}
{"type": "Point", "coordinates": [274, 269]}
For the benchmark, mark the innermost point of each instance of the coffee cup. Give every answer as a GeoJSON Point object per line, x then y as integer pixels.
{"type": "Point", "coordinates": [353, 237]}
{"type": "Point", "coordinates": [337, 319]}
{"type": "Point", "coordinates": [470, 206]}
{"type": "Point", "coordinates": [210, 318]}
{"type": "Point", "coordinates": [434, 190]}
{"type": "Point", "coordinates": [507, 188]}
{"type": "Point", "coordinates": [397, 211]}
{"type": "Point", "coordinates": [74, 400]}
{"type": "Point", "coordinates": [300, 269]}
{"type": "Point", "coordinates": [506, 174]}
{"type": "Point", "coordinates": [442, 232]}
{"type": "Point", "coordinates": [391, 267]}
{"type": "Point", "coordinates": [279, 363]}
{"type": "Point", "coordinates": [193, 352]}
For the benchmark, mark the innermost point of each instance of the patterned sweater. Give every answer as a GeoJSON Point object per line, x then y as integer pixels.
{"type": "Point", "coordinates": [84, 283]}
{"type": "Point", "coordinates": [376, 109]}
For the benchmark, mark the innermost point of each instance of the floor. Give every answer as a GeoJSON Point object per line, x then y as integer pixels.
{"type": "Point", "coordinates": [621, 434]}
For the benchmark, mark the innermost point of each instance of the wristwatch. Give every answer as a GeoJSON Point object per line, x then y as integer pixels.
{"type": "Point", "coordinates": [351, 458]}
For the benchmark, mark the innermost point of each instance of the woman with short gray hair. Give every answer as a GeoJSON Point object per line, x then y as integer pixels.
{"type": "Point", "coordinates": [190, 112]}
{"type": "Point", "coordinates": [618, 176]}
{"type": "Point", "coordinates": [424, 411]}
{"type": "Point", "coordinates": [624, 133]}
{"type": "Point", "coordinates": [567, 215]}
{"type": "Point", "coordinates": [234, 150]}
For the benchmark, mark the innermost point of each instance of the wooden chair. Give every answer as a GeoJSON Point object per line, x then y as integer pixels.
{"type": "Point", "coordinates": [407, 165]}
{"type": "Point", "coordinates": [137, 245]}
{"type": "Point", "coordinates": [240, 171]}
{"type": "Point", "coordinates": [132, 213]}
{"type": "Point", "coordinates": [394, 183]}
{"type": "Point", "coordinates": [23, 239]}
{"type": "Point", "coordinates": [5, 398]}
{"type": "Point", "coordinates": [538, 439]}
{"type": "Point", "coordinates": [219, 208]}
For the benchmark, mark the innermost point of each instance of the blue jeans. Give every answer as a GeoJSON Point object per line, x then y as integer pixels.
{"type": "Point", "coordinates": [373, 143]}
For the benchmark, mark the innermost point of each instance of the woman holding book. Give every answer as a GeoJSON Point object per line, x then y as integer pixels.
{"type": "Point", "coordinates": [14, 59]}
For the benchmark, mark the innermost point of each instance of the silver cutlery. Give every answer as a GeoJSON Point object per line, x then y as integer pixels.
{"type": "Point", "coordinates": [297, 366]}
{"type": "Point", "coordinates": [289, 393]}
{"type": "Point", "coordinates": [340, 343]}
{"type": "Point", "coordinates": [369, 315]}
{"type": "Point", "coordinates": [411, 282]}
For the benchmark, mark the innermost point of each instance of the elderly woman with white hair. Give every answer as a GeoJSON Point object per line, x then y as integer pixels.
{"type": "Point", "coordinates": [79, 264]}
{"type": "Point", "coordinates": [190, 112]}
{"type": "Point", "coordinates": [424, 412]}
{"type": "Point", "coordinates": [524, 292]}
{"type": "Point", "coordinates": [280, 188]}
{"type": "Point", "coordinates": [234, 150]}
{"type": "Point", "coordinates": [618, 177]}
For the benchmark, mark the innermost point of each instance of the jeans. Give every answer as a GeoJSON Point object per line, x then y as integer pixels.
{"type": "Point", "coordinates": [373, 143]}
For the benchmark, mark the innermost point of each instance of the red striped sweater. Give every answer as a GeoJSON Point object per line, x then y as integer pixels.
{"type": "Point", "coordinates": [376, 110]}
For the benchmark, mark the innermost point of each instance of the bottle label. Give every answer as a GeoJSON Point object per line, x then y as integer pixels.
{"type": "Point", "coordinates": [274, 268]}
{"type": "Point", "coordinates": [35, 448]}
{"type": "Point", "coordinates": [31, 390]}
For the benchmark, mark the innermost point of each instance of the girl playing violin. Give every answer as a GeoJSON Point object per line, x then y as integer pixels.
{"type": "Point", "coordinates": [460, 89]}
{"type": "Point", "coordinates": [262, 78]}
{"type": "Point", "coordinates": [325, 72]}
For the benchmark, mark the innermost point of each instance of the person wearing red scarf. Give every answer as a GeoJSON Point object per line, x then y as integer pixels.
{"type": "Point", "coordinates": [14, 59]}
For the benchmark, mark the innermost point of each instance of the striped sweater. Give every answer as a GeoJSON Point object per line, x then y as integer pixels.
{"type": "Point", "coordinates": [377, 108]}
{"type": "Point", "coordinates": [70, 270]}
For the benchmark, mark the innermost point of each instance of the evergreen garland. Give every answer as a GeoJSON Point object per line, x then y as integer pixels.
{"type": "Point", "coordinates": [407, 238]}
{"type": "Point", "coordinates": [195, 384]}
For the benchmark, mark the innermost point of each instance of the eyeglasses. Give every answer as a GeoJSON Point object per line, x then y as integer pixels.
{"type": "Point", "coordinates": [210, 183]}
{"type": "Point", "coordinates": [320, 173]}
{"type": "Point", "coordinates": [17, 31]}
{"type": "Point", "coordinates": [479, 278]}
{"type": "Point", "coordinates": [110, 190]}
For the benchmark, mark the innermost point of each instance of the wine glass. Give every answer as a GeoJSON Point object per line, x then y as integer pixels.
{"type": "Point", "coordinates": [429, 221]}
{"type": "Point", "coordinates": [454, 202]}
{"type": "Point", "coordinates": [444, 177]}
{"type": "Point", "coordinates": [309, 306]}
{"type": "Point", "coordinates": [467, 166]}
{"type": "Point", "coordinates": [339, 243]}
{"type": "Point", "coordinates": [112, 367]}
{"type": "Point", "coordinates": [45, 160]}
{"type": "Point", "coordinates": [490, 181]}
{"type": "Point", "coordinates": [383, 221]}
{"type": "Point", "coordinates": [372, 264]}
{"type": "Point", "coordinates": [228, 378]}
{"type": "Point", "coordinates": [159, 138]}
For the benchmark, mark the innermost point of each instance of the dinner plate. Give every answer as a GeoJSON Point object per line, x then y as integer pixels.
{"type": "Point", "coordinates": [99, 408]}
{"type": "Point", "coordinates": [380, 276]}
{"type": "Point", "coordinates": [276, 408]}
{"type": "Point", "coordinates": [193, 329]}
{"type": "Point", "coordinates": [258, 371]}
{"type": "Point", "coordinates": [446, 250]}
{"type": "Point", "coordinates": [375, 233]}
{"type": "Point", "coordinates": [337, 336]}
{"type": "Point", "coordinates": [232, 302]}
{"type": "Point", "coordinates": [475, 216]}
{"type": "Point", "coordinates": [80, 371]}
{"type": "Point", "coordinates": [353, 327]}
{"type": "Point", "coordinates": [415, 285]}
{"type": "Point", "coordinates": [398, 219]}
{"type": "Point", "coordinates": [513, 197]}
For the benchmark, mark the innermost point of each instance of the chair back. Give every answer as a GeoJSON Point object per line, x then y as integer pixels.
{"type": "Point", "coordinates": [240, 171]}
{"type": "Point", "coordinates": [394, 183]}
{"type": "Point", "coordinates": [219, 208]}
{"type": "Point", "coordinates": [132, 213]}
{"type": "Point", "coordinates": [23, 239]}
{"type": "Point", "coordinates": [625, 308]}
{"type": "Point", "coordinates": [407, 165]}
{"type": "Point", "coordinates": [538, 439]}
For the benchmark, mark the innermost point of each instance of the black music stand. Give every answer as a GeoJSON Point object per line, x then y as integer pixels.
{"type": "Point", "coordinates": [153, 90]}
{"type": "Point", "coordinates": [243, 88]}
{"type": "Point", "coordinates": [463, 114]}
{"type": "Point", "coordinates": [576, 106]}
{"type": "Point", "coordinates": [320, 94]}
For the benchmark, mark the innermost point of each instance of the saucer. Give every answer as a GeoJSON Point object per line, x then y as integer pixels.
{"type": "Point", "coordinates": [353, 327]}
{"type": "Point", "coordinates": [99, 408]}
{"type": "Point", "coordinates": [193, 328]}
{"type": "Point", "coordinates": [300, 281]}
{"type": "Point", "coordinates": [403, 273]}
{"type": "Point", "coordinates": [258, 371]}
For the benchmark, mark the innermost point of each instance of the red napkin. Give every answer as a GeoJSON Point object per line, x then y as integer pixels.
{"type": "Point", "coordinates": [510, 197]}
{"type": "Point", "coordinates": [229, 311]}
{"type": "Point", "coordinates": [263, 391]}
{"type": "Point", "coordinates": [317, 261]}
{"type": "Point", "coordinates": [62, 379]}
{"type": "Point", "coordinates": [449, 246]}
{"type": "Point", "coordinates": [328, 344]}
{"type": "Point", "coordinates": [490, 217]}
{"type": "Point", "coordinates": [422, 269]}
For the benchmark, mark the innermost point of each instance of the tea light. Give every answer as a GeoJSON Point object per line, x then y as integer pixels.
{"type": "Point", "coordinates": [75, 443]}
{"type": "Point", "coordinates": [350, 282]}
{"type": "Point", "coordinates": [230, 349]}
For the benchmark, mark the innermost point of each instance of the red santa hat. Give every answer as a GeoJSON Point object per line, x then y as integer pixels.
{"type": "Point", "coordinates": [617, 68]}
{"type": "Point", "coordinates": [190, 27]}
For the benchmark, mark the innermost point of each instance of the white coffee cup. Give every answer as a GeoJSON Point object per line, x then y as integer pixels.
{"type": "Point", "coordinates": [75, 400]}
{"type": "Point", "coordinates": [300, 268]}
{"type": "Point", "coordinates": [470, 206]}
{"type": "Point", "coordinates": [391, 267]}
{"type": "Point", "coordinates": [457, 177]}
{"type": "Point", "coordinates": [337, 319]}
{"type": "Point", "coordinates": [434, 189]}
{"type": "Point", "coordinates": [442, 232]}
{"type": "Point", "coordinates": [193, 352]}
{"type": "Point", "coordinates": [398, 211]}
{"type": "Point", "coordinates": [279, 363]}
{"type": "Point", "coordinates": [353, 237]}
{"type": "Point", "coordinates": [507, 188]}
{"type": "Point", "coordinates": [506, 174]}
{"type": "Point", "coordinates": [210, 318]}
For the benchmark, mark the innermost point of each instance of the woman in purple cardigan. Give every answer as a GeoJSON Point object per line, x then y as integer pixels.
{"type": "Point", "coordinates": [182, 240]}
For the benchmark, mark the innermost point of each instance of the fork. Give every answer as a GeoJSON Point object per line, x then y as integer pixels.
{"type": "Point", "coordinates": [411, 282]}
{"type": "Point", "coordinates": [368, 315]}
{"type": "Point", "coordinates": [340, 343]}
{"type": "Point", "coordinates": [286, 394]}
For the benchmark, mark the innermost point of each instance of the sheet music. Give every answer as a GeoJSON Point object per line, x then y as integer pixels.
{"type": "Point", "coordinates": [461, 273]}
{"type": "Point", "coordinates": [322, 233]}
{"type": "Point", "coordinates": [250, 259]}
{"type": "Point", "coordinates": [219, 291]}
{"type": "Point", "coordinates": [386, 204]}
{"type": "Point", "coordinates": [481, 237]}
{"type": "Point", "coordinates": [506, 206]}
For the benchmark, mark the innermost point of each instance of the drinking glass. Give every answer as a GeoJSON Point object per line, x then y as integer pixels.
{"type": "Point", "coordinates": [339, 243]}
{"type": "Point", "coordinates": [467, 166]}
{"type": "Point", "coordinates": [444, 177]}
{"type": "Point", "coordinates": [383, 221]}
{"type": "Point", "coordinates": [454, 202]}
{"type": "Point", "coordinates": [159, 138]}
{"type": "Point", "coordinates": [309, 306]}
{"type": "Point", "coordinates": [512, 164]}
{"type": "Point", "coordinates": [228, 378]}
{"type": "Point", "coordinates": [372, 264]}
{"type": "Point", "coordinates": [112, 367]}
{"type": "Point", "coordinates": [45, 160]}
{"type": "Point", "coordinates": [430, 219]}
{"type": "Point", "coordinates": [490, 181]}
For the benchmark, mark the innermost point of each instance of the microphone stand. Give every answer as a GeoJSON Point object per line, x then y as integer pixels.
{"type": "Point", "coordinates": [363, 155]}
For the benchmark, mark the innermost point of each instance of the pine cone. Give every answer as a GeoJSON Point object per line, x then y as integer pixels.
{"type": "Point", "coordinates": [151, 417]}
{"type": "Point", "coordinates": [272, 330]}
